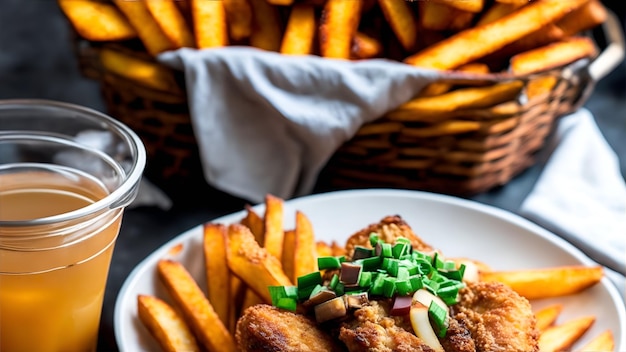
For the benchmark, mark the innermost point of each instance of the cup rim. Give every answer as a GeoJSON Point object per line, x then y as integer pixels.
{"type": "Point", "coordinates": [119, 197]}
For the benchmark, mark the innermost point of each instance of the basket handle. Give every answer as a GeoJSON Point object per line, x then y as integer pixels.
{"type": "Point", "coordinates": [602, 65]}
{"type": "Point", "coordinates": [613, 54]}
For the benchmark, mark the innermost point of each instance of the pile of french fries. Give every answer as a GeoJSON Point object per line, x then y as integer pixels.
{"type": "Point", "coordinates": [243, 259]}
{"type": "Point", "coordinates": [473, 36]}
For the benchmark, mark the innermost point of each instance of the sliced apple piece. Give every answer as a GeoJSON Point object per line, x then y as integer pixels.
{"type": "Point", "coordinates": [422, 328]}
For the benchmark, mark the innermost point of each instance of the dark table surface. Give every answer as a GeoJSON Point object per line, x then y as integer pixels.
{"type": "Point", "coordinates": [36, 61]}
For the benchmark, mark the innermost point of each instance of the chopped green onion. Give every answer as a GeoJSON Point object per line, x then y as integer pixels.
{"type": "Point", "coordinates": [366, 279]}
{"type": "Point", "coordinates": [278, 292]}
{"type": "Point", "coordinates": [324, 263]}
{"type": "Point", "coordinates": [439, 317]}
{"type": "Point", "coordinates": [374, 239]}
{"type": "Point", "coordinates": [333, 281]}
{"type": "Point", "coordinates": [287, 303]}
{"type": "Point", "coordinates": [403, 287]}
{"type": "Point", "coordinates": [389, 286]}
{"type": "Point", "coordinates": [312, 279]}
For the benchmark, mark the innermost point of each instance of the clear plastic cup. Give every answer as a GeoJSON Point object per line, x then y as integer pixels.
{"type": "Point", "coordinates": [66, 175]}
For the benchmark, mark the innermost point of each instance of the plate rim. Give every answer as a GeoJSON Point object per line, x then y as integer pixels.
{"type": "Point", "coordinates": [483, 208]}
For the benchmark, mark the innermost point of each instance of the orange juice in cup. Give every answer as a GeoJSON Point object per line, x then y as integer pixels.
{"type": "Point", "coordinates": [62, 195]}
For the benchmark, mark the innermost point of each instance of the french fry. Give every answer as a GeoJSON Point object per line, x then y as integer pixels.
{"type": "Point", "coordinates": [516, 2]}
{"type": "Point", "coordinates": [474, 43]}
{"type": "Point", "coordinates": [429, 109]}
{"type": "Point", "coordinates": [604, 342]}
{"type": "Point", "coordinates": [547, 282]}
{"type": "Point", "coordinates": [323, 249]}
{"type": "Point", "coordinates": [217, 272]}
{"type": "Point", "coordinates": [338, 25]}
{"type": "Point", "coordinates": [439, 88]}
{"type": "Point", "coordinates": [365, 47]}
{"type": "Point", "coordinates": [273, 224]}
{"type": "Point", "coordinates": [280, 2]}
{"type": "Point", "coordinates": [267, 31]}
{"type": "Point", "coordinates": [586, 17]}
{"type": "Point", "coordinates": [239, 15]}
{"type": "Point", "coordinates": [547, 316]}
{"type": "Point", "coordinates": [300, 31]}
{"type": "Point", "coordinates": [461, 20]}
{"type": "Point", "coordinates": [146, 73]}
{"type": "Point", "coordinates": [289, 254]}
{"type": "Point", "coordinates": [435, 15]}
{"type": "Point", "coordinates": [165, 325]}
{"type": "Point", "coordinates": [553, 55]}
{"type": "Point", "coordinates": [255, 223]}
{"type": "Point", "coordinates": [497, 11]}
{"type": "Point", "coordinates": [97, 21]}
{"type": "Point", "coordinates": [561, 337]}
{"type": "Point", "coordinates": [172, 22]}
{"type": "Point", "coordinates": [148, 30]}
{"type": "Point", "coordinates": [402, 21]}
{"type": "Point", "coordinates": [209, 23]}
{"type": "Point", "coordinates": [465, 5]}
{"type": "Point", "coordinates": [540, 86]}
{"type": "Point", "coordinates": [196, 308]}
{"type": "Point", "coordinates": [305, 255]}
{"type": "Point", "coordinates": [251, 299]}
{"type": "Point", "coordinates": [252, 263]}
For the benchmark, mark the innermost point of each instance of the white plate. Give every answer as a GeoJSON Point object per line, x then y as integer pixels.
{"type": "Point", "coordinates": [456, 226]}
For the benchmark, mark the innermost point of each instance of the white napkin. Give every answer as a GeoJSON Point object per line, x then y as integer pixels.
{"type": "Point", "coordinates": [267, 123]}
{"type": "Point", "coordinates": [581, 194]}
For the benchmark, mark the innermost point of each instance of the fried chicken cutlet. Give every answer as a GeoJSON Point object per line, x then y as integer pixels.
{"type": "Point", "coordinates": [389, 229]}
{"type": "Point", "coordinates": [497, 317]}
{"type": "Point", "coordinates": [489, 317]}
{"type": "Point", "coordinates": [264, 328]}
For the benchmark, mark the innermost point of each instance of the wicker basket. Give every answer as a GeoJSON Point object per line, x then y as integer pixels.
{"type": "Point", "coordinates": [470, 151]}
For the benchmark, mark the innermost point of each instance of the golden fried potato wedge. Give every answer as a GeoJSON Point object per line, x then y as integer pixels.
{"type": "Point", "coordinates": [209, 23]}
{"type": "Point", "coordinates": [365, 47]}
{"type": "Point", "coordinates": [253, 264]}
{"type": "Point", "coordinates": [267, 27]}
{"type": "Point", "coordinates": [255, 223]}
{"type": "Point", "coordinates": [216, 267]}
{"type": "Point", "coordinates": [305, 254]}
{"type": "Point", "coordinates": [239, 15]}
{"type": "Point", "coordinates": [553, 55]}
{"type": "Point", "coordinates": [97, 21]}
{"type": "Point", "coordinates": [547, 316]}
{"type": "Point", "coordinates": [429, 109]}
{"type": "Point", "coordinates": [300, 31]}
{"type": "Point", "coordinates": [561, 337]}
{"type": "Point", "coordinates": [165, 325]}
{"type": "Point", "coordinates": [439, 88]}
{"type": "Point", "coordinates": [196, 308]}
{"type": "Point", "coordinates": [548, 282]}
{"type": "Point", "coordinates": [148, 30]}
{"type": "Point", "coordinates": [435, 16]}
{"type": "Point", "coordinates": [338, 25]}
{"type": "Point", "coordinates": [289, 254]}
{"type": "Point", "coordinates": [146, 73]}
{"type": "Point", "coordinates": [497, 11]}
{"type": "Point", "coordinates": [273, 224]}
{"type": "Point", "coordinates": [465, 5]}
{"type": "Point", "coordinates": [477, 42]}
{"type": "Point", "coordinates": [604, 342]}
{"type": "Point", "coordinates": [586, 17]}
{"type": "Point", "coordinates": [402, 21]}
{"type": "Point", "coordinates": [171, 20]}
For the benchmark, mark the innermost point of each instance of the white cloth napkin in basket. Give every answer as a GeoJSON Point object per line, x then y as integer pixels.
{"type": "Point", "coordinates": [267, 123]}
